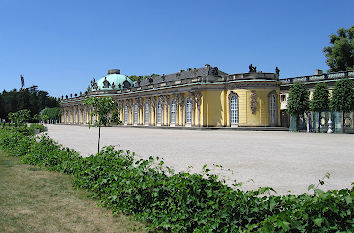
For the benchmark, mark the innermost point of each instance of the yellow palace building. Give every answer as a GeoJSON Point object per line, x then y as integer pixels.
{"type": "Point", "coordinates": [203, 97]}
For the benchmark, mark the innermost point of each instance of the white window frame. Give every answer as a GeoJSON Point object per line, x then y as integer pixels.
{"type": "Point", "coordinates": [136, 114]}
{"type": "Point", "coordinates": [159, 113]}
{"type": "Point", "coordinates": [234, 108]}
{"type": "Point", "coordinates": [147, 113]}
{"type": "Point", "coordinates": [125, 114]}
{"type": "Point", "coordinates": [189, 111]}
{"type": "Point", "coordinates": [173, 111]}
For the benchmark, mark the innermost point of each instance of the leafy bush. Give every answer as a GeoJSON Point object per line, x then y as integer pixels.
{"type": "Point", "coordinates": [183, 202]}
{"type": "Point", "coordinates": [33, 127]}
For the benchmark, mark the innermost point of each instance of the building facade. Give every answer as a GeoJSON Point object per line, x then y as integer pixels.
{"type": "Point", "coordinates": [310, 81]}
{"type": "Point", "coordinates": [203, 97]}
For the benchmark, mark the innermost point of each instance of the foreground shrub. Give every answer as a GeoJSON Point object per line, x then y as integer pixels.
{"type": "Point", "coordinates": [35, 126]}
{"type": "Point", "coordinates": [183, 202]}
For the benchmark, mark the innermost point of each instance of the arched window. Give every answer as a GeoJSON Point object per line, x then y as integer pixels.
{"type": "Point", "coordinates": [159, 112]}
{"type": "Point", "coordinates": [125, 114]}
{"type": "Point", "coordinates": [135, 113]}
{"type": "Point", "coordinates": [173, 111]}
{"type": "Point", "coordinates": [147, 113]}
{"type": "Point", "coordinates": [234, 110]}
{"type": "Point", "coordinates": [189, 111]}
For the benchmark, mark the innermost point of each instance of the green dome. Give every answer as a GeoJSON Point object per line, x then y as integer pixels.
{"type": "Point", "coordinates": [113, 82]}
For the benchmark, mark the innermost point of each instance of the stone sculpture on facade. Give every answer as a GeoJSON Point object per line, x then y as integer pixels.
{"type": "Point", "coordinates": [254, 102]}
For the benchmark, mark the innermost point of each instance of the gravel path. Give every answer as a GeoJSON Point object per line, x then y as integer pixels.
{"type": "Point", "coordinates": [283, 160]}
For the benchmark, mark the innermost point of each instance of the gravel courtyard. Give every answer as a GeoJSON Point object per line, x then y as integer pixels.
{"type": "Point", "coordinates": [283, 160]}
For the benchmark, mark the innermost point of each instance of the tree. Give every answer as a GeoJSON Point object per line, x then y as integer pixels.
{"type": "Point", "coordinates": [343, 97]}
{"type": "Point", "coordinates": [340, 54]}
{"type": "Point", "coordinates": [19, 117]}
{"type": "Point", "coordinates": [28, 98]}
{"type": "Point", "coordinates": [52, 114]}
{"type": "Point", "coordinates": [102, 109]}
{"type": "Point", "coordinates": [2, 110]}
{"type": "Point", "coordinates": [320, 100]}
{"type": "Point", "coordinates": [298, 102]}
{"type": "Point", "coordinates": [136, 78]}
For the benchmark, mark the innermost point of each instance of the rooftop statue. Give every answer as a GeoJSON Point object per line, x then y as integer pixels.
{"type": "Point", "coordinates": [252, 68]}
{"type": "Point", "coordinates": [106, 83]}
{"type": "Point", "coordinates": [126, 84]}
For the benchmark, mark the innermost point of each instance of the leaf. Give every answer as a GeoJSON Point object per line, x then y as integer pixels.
{"type": "Point", "coordinates": [318, 221]}
{"type": "Point", "coordinates": [272, 204]}
{"type": "Point", "coordinates": [311, 186]}
{"type": "Point", "coordinates": [348, 199]}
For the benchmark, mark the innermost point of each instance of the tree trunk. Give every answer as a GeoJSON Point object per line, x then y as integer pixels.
{"type": "Point", "coordinates": [99, 137]}
{"type": "Point", "coordinates": [319, 122]}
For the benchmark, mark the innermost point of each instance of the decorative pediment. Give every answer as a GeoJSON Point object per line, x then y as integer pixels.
{"type": "Point", "coordinates": [232, 94]}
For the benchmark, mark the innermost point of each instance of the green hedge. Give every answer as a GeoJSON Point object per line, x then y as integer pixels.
{"type": "Point", "coordinates": [35, 126]}
{"type": "Point", "coordinates": [183, 202]}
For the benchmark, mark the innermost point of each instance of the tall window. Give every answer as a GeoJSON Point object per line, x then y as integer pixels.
{"type": "Point", "coordinates": [159, 112]}
{"type": "Point", "coordinates": [273, 111]}
{"type": "Point", "coordinates": [147, 113]}
{"type": "Point", "coordinates": [173, 111]}
{"type": "Point", "coordinates": [125, 114]}
{"type": "Point", "coordinates": [189, 111]}
{"type": "Point", "coordinates": [234, 110]}
{"type": "Point", "coordinates": [136, 113]}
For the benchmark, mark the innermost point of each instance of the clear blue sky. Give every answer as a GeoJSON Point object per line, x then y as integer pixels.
{"type": "Point", "coordinates": [61, 45]}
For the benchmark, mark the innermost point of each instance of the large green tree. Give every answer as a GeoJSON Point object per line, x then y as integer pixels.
{"type": "Point", "coordinates": [29, 98]}
{"type": "Point", "coordinates": [51, 114]}
{"type": "Point", "coordinates": [103, 110]}
{"type": "Point", "coordinates": [298, 102]}
{"type": "Point", "coordinates": [343, 97]}
{"type": "Point", "coordinates": [340, 54]}
{"type": "Point", "coordinates": [320, 100]}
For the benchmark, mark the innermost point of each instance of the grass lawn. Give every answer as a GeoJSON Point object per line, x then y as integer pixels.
{"type": "Point", "coordinates": [36, 200]}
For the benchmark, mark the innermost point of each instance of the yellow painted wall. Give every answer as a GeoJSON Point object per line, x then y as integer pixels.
{"type": "Point", "coordinates": [212, 108]}
{"type": "Point", "coordinates": [246, 117]}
